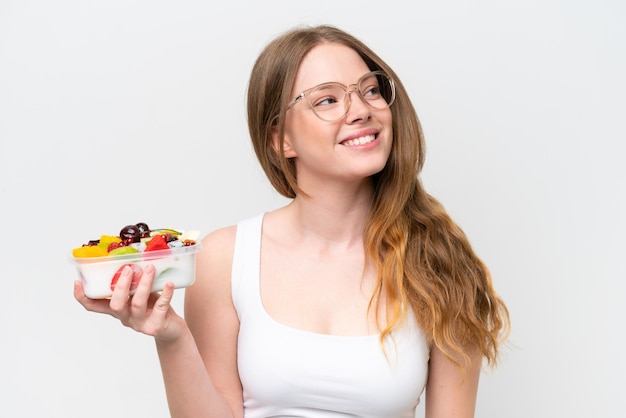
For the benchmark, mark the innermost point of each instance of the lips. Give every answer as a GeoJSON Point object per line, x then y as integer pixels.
{"type": "Point", "coordinates": [359, 141]}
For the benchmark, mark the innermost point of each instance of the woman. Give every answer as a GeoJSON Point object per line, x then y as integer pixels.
{"type": "Point", "coordinates": [351, 299]}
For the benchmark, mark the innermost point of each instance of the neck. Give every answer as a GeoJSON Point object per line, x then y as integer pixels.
{"type": "Point", "coordinates": [333, 216]}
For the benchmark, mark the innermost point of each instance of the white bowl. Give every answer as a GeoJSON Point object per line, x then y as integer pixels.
{"type": "Point", "coordinates": [176, 265]}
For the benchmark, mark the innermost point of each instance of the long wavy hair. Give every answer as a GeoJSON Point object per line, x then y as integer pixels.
{"type": "Point", "coordinates": [423, 259]}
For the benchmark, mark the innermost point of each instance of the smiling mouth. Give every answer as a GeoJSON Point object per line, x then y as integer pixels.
{"type": "Point", "coordinates": [359, 141]}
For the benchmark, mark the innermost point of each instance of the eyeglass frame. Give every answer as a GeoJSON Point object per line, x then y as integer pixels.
{"type": "Point", "coordinates": [348, 89]}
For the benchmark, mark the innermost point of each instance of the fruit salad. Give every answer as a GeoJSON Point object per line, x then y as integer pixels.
{"type": "Point", "coordinates": [172, 253]}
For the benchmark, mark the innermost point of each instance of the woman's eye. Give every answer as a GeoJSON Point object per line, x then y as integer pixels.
{"type": "Point", "coordinates": [371, 91]}
{"type": "Point", "coordinates": [325, 101]}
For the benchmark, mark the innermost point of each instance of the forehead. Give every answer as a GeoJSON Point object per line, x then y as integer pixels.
{"type": "Point", "coordinates": [329, 62]}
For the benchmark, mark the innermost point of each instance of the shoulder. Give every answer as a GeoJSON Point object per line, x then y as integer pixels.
{"type": "Point", "coordinates": [219, 238]}
{"type": "Point", "coordinates": [219, 246]}
{"type": "Point", "coordinates": [213, 267]}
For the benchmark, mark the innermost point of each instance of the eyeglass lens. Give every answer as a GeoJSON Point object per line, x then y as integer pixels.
{"type": "Point", "coordinates": [330, 101]}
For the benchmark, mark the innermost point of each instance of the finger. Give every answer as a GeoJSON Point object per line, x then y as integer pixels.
{"type": "Point", "coordinates": [136, 277]}
{"type": "Point", "coordinates": [119, 300]}
{"type": "Point", "coordinates": [163, 303]}
{"type": "Point", "coordinates": [160, 309]}
{"type": "Point", "coordinates": [139, 301]}
{"type": "Point", "coordinates": [144, 284]}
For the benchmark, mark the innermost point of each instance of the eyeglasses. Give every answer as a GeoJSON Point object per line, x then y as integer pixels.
{"type": "Point", "coordinates": [331, 101]}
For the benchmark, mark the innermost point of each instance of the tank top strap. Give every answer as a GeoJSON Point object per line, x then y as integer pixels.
{"type": "Point", "coordinates": [246, 263]}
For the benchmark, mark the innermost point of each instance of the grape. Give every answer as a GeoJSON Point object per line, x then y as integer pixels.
{"type": "Point", "coordinates": [130, 233]}
{"type": "Point", "coordinates": [144, 230]}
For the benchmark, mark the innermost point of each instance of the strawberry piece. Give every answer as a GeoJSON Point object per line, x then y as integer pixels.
{"type": "Point", "coordinates": [114, 245]}
{"type": "Point", "coordinates": [157, 242]}
{"type": "Point", "coordinates": [137, 273]}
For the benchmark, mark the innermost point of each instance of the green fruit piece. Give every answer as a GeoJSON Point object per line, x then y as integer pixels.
{"type": "Point", "coordinates": [123, 250]}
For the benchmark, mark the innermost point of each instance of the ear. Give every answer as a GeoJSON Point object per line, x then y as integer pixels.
{"type": "Point", "coordinates": [290, 152]}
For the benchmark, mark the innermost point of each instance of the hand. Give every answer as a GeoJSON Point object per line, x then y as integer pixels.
{"type": "Point", "coordinates": [145, 312]}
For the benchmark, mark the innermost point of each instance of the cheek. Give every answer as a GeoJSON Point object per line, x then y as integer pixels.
{"type": "Point", "coordinates": [307, 131]}
{"type": "Point", "coordinates": [388, 119]}
{"type": "Point", "coordinates": [387, 122]}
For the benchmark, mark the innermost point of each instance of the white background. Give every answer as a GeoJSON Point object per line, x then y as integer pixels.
{"type": "Point", "coordinates": [120, 111]}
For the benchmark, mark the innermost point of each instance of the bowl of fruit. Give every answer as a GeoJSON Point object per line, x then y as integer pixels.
{"type": "Point", "coordinates": [172, 252]}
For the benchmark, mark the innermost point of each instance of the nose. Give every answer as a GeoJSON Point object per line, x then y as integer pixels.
{"type": "Point", "coordinates": [356, 109]}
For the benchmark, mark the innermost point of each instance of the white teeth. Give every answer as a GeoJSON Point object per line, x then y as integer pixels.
{"type": "Point", "coordinates": [359, 141]}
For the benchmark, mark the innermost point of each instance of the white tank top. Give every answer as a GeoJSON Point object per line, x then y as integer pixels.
{"type": "Point", "coordinates": [287, 372]}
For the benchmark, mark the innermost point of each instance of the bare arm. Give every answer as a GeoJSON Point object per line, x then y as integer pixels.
{"type": "Point", "coordinates": [451, 392]}
{"type": "Point", "coordinates": [190, 390]}
{"type": "Point", "coordinates": [212, 318]}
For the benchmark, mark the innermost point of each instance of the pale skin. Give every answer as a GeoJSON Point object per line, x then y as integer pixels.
{"type": "Point", "coordinates": [314, 274]}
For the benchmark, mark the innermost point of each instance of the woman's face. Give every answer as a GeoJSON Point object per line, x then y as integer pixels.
{"type": "Point", "coordinates": [348, 150]}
